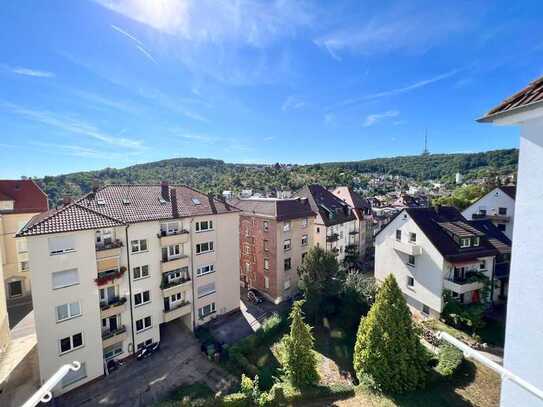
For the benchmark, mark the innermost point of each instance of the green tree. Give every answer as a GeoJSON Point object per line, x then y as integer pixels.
{"type": "Point", "coordinates": [320, 280]}
{"type": "Point", "coordinates": [388, 349]}
{"type": "Point", "coordinates": [463, 196]}
{"type": "Point", "coordinates": [299, 361]}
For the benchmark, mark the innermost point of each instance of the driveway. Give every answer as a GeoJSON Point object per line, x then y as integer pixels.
{"type": "Point", "coordinates": [141, 383]}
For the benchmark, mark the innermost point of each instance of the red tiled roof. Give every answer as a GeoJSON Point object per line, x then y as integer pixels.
{"type": "Point", "coordinates": [26, 194]}
{"type": "Point", "coordinates": [531, 94]}
{"type": "Point", "coordinates": [115, 205]}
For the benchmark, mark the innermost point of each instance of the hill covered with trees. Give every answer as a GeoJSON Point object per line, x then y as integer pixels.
{"type": "Point", "coordinates": [214, 176]}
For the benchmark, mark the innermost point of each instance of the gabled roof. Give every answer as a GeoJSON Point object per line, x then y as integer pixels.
{"type": "Point", "coordinates": [279, 209]}
{"type": "Point", "coordinates": [510, 190]}
{"type": "Point", "coordinates": [332, 209]}
{"type": "Point", "coordinates": [352, 198]}
{"type": "Point", "coordinates": [431, 221]}
{"type": "Point", "coordinates": [529, 96]}
{"type": "Point", "coordinates": [26, 195]}
{"type": "Point", "coordinates": [115, 205]}
{"type": "Point", "coordinates": [494, 235]}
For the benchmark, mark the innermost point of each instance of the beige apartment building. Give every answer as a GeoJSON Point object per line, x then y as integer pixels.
{"type": "Point", "coordinates": [20, 201]}
{"type": "Point", "coordinates": [113, 266]}
{"type": "Point", "coordinates": [275, 234]}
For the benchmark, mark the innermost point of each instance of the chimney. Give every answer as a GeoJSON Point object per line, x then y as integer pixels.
{"type": "Point", "coordinates": [66, 200]}
{"type": "Point", "coordinates": [165, 190]}
{"type": "Point", "coordinates": [175, 211]}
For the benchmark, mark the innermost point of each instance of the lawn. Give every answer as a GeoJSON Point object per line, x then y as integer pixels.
{"type": "Point", "coordinates": [492, 333]}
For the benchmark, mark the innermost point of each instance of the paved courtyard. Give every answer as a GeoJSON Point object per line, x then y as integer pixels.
{"type": "Point", "coordinates": [141, 383]}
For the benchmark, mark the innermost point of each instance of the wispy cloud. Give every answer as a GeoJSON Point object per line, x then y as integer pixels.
{"type": "Point", "coordinates": [202, 138]}
{"type": "Point", "coordinates": [72, 125]}
{"type": "Point", "coordinates": [80, 151]}
{"type": "Point", "coordinates": [292, 103]}
{"type": "Point", "coordinates": [139, 45]}
{"type": "Point", "coordinates": [107, 102]}
{"type": "Point", "coordinates": [377, 117]}
{"type": "Point", "coordinates": [29, 72]}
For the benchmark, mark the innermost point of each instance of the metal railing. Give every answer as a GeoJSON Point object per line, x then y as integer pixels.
{"type": "Point", "coordinates": [44, 393]}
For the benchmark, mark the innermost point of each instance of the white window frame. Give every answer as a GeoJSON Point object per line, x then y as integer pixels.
{"type": "Point", "coordinates": [143, 324]}
{"type": "Point", "coordinates": [140, 271]}
{"type": "Point", "coordinates": [22, 289]}
{"type": "Point", "coordinates": [410, 279]}
{"type": "Point", "coordinates": [207, 223]}
{"type": "Point", "coordinates": [202, 313]}
{"type": "Point", "coordinates": [463, 240]}
{"type": "Point", "coordinates": [412, 237]}
{"type": "Point", "coordinates": [145, 343]}
{"type": "Point", "coordinates": [476, 241]}
{"type": "Point", "coordinates": [305, 240]}
{"type": "Point", "coordinates": [69, 311]}
{"type": "Point", "coordinates": [170, 228]}
{"type": "Point", "coordinates": [265, 226]}
{"type": "Point", "coordinates": [68, 246]}
{"type": "Point", "coordinates": [286, 226]}
{"type": "Point", "coordinates": [175, 251]}
{"type": "Point", "coordinates": [266, 263]}
{"type": "Point", "coordinates": [409, 263]}
{"type": "Point", "coordinates": [142, 302]}
{"type": "Point", "coordinates": [287, 246]}
{"type": "Point", "coordinates": [210, 249]}
{"type": "Point", "coordinates": [67, 284]}
{"type": "Point", "coordinates": [72, 348]}
{"type": "Point", "coordinates": [204, 269]}
{"type": "Point", "coordinates": [137, 243]}
{"type": "Point", "coordinates": [116, 349]}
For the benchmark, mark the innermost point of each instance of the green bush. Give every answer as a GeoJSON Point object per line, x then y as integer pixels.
{"type": "Point", "coordinates": [450, 359]}
{"type": "Point", "coordinates": [236, 400]}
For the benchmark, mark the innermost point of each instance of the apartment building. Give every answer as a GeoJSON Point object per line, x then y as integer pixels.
{"type": "Point", "coordinates": [112, 266]}
{"type": "Point", "coordinates": [431, 250]}
{"type": "Point", "coordinates": [498, 206]}
{"type": "Point", "coordinates": [363, 213]}
{"type": "Point", "coordinates": [336, 227]}
{"type": "Point", "coordinates": [274, 234]}
{"type": "Point", "coordinates": [20, 201]}
{"type": "Point", "coordinates": [524, 334]}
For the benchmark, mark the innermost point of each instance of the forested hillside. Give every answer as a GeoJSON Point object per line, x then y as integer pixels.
{"type": "Point", "coordinates": [214, 176]}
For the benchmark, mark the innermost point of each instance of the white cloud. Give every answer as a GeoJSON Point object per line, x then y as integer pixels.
{"type": "Point", "coordinates": [30, 72]}
{"type": "Point", "coordinates": [292, 103]}
{"type": "Point", "coordinates": [377, 117]}
{"type": "Point", "coordinates": [139, 45]}
{"type": "Point", "coordinates": [73, 126]}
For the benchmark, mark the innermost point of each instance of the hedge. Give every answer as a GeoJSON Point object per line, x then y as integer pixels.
{"type": "Point", "coordinates": [450, 359]}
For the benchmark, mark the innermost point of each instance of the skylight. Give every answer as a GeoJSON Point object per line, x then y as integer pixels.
{"type": "Point", "coordinates": [100, 202]}
{"type": "Point", "coordinates": [196, 201]}
{"type": "Point", "coordinates": [126, 201]}
{"type": "Point", "coordinates": [162, 200]}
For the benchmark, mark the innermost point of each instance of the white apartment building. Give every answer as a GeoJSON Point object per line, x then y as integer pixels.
{"type": "Point", "coordinates": [430, 250]}
{"type": "Point", "coordinates": [336, 227]}
{"type": "Point", "coordinates": [497, 206]}
{"type": "Point", "coordinates": [111, 267]}
{"type": "Point", "coordinates": [524, 328]}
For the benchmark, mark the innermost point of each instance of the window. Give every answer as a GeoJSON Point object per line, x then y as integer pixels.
{"type": "Point", "coordinates": [60, 245]}
{"type": "Point", "coordinates": [247, 268]}
{"type": "Point", "coordinates": [207, 269]}
{"type": "Point", "coordinates": [502, 211]}
{"type": "Point", "coordinates": [286, 245]}
{"type": "Point", "coordinates": [482, 265]}
{"type": "Point", "coordinates": [71, 343]}
{"type": "Point", "coordinates": [318, 230]}
{"type": "Point", "coordinates": [266, 264]}
{"type": "Point", "coordinates": [67, 311]}
{"type": "Point", "coordinates": [425, 309]}
{"type": "Point", "coordinates": [174, 251]}
{"type": "Point", "coordinates": [410, 260]}
{"type": "Point", "coordinates": [305, 240]}
{"type": "Point", "coordinates": [204, 247]}
{"type": "Point", "coordinates": [143, 324]}
{"type": "Point", "coordinates": [286, 226]}
{"type": "Point", "coordinates": [108, 295]}
{"type": "Point", "coordinates": [114, 350]}
{"type": "Point", "coordinates": [170, 228]}
{"type": "Point", "coordinates": [145, 343]}
{"type": "Point", "coordinates": [246, 249]}
{"type": "Point", "coordinates": [265, 226]}
{"type": "Point", "coordinates": [412, 237]}
{"type": "Point", "coordinates": [476, 241]}
{"type": "Point", "coordinates": [288, 264]}
{"type": "Point", "coordinates": [139, 245]}
{"type": "Point", "coordinates": [266, 248]}
{"type": "Point", "coordinates": [142, 298]}
{"type": "Point", "coordinates": [22, 246]}
{"type": "Point", "coordinates": [65, 278]}
{"type": "Point", "coordinates": [15, 288]}
{"type": "Point", "coordinates": [266, 282]}
{"type": "Point", "coordinates": [74, 376]}
{"type": "Point", "coordinates": [501, 227]}
{"type": "Point", "coordinates": [141, 272]}
{"type": "Point", "coordinates": [24, 266]}
{"type": "Point", "coordinates": [482, 211]}
{"type": "Point", "coordinates": [206, 289]}
{"type": "Point", "coordinates": [286, 284]}
{"type": "Point", "coordinates": [465, 242]}
{"type": "Point", "coordinates": [304, 222]}
{"type": "Point", "coordinates": [104, 237]}
{"type": "Point", "coordinates": [206, 310]}
{"type": "Point", "coordinates": [398, 234]}
{"type": "Point", "coordinates": [175, 298]}
{"type": "Point", "coordinates": [204, 225]}
{"type": "Point", "coordinates": [410, 282]}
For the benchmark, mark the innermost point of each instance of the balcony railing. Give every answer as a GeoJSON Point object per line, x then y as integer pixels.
{"type": "Point", "coordinates": [467, 278]}
{"type": "Point", "coordinates": [332, 238]}
{"type": "Point", "coordinates": [113, 302]}
{"type": "Point", "coordinates": [169, 308]}
{"type": "Point", "coordinates": [111, 333]}
{"type": "Point", "coordinates": [115, 244]}
{"type": "Point", "coordinates": [166, 259]}
{"type": "Point", "coordinates": [165, 284]}
{"type": "Point", "coordinates": [106, 276]}
{"type": "Point", "coordinates": [164, 233]}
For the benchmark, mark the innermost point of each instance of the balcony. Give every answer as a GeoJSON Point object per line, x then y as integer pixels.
{"type": "Point", "coordinates": [174, 263]}
{"type": "Point", "coordinates": [112, 307]}
{"type": "Point", "coordinates": [111, 337]}
{"type": "Point", "coordinates": [105, 277]}
{"type": "Point", "coordinates": [491, 216]}
{"type": "Point", "coordinates": [464, 284]}
{"type": "Point", "coordinates": [332, 238]}
{"type": "Point", "coordinates": [177, 311]}
{"type": "Point", "coordinates": [171, 238]}
{"type": "Point", "coordinates": [410, 249]}
{"type": "Point", "coordinates": [111, 249]}
{"type": "Point", "coordinates": [173, 286]}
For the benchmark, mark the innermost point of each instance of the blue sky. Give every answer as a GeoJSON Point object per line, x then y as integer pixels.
{"type": "Point", "coordinates": [90, 84]}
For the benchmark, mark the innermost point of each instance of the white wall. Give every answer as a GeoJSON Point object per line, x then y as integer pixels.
{"type": "Point", "coordinates": [491, 202]}
{"type": "Point", "coordinates": [524, 332]}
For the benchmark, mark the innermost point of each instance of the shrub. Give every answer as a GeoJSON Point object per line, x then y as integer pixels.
{"type": "Point", "coordinates": [450, 359]}
{"type": "Point", "coordinates": [247, 385]}
{"type": "Point", "coordinates": [236, 400]}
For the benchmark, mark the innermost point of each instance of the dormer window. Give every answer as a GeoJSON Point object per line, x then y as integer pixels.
{"type": "Point", "coordinates": [476, 241]}
{"type": "Point", "coordinates": [465, 242]}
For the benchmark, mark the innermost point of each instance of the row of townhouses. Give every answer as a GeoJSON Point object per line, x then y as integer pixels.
{"type": "Point", "coordinates": [114, 265]}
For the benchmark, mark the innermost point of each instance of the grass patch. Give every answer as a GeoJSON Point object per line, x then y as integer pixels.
{"type": "Point", "coordinates": [189, 395]}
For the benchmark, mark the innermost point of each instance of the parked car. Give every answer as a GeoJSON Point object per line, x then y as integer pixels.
{"type": "Point", "coordinates": [254, 296]}
{"type": "Point", "coordinates": [147, 351]}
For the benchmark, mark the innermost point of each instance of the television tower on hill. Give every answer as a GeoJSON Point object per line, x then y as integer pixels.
{"type": "Point", "coordinates": [425, 151]}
